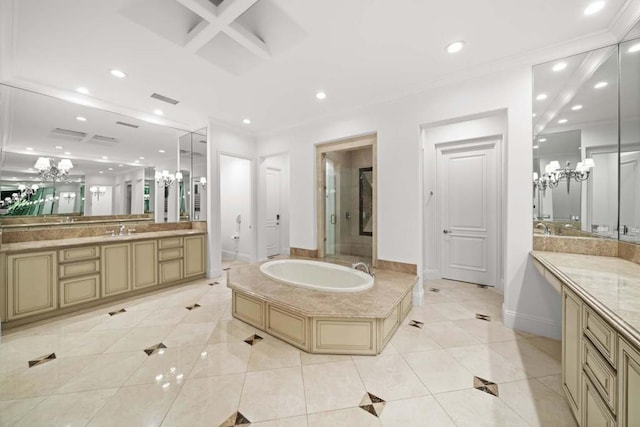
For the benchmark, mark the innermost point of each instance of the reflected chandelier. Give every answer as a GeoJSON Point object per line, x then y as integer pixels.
{"type": "Point", "coordinates": [50, 171]}
{"type": "Point", "coordinates": [553, 174]}
{"type": "Point", "coordinates": [165, 178]}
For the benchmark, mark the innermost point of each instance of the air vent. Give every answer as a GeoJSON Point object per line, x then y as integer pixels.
{"type": "Point", "coordinates": [68, 133]}
{"type": "Point", "coordinates": [203, 142]}
{"type": "Point", "coordinates": [164, 98]}
{"type": "Point", "coordinates": [102, 140]}
{"type": "Point", "coordinates": [128, 125]}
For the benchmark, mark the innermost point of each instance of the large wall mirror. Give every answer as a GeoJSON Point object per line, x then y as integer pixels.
{"type": "Point", "coordinates": [64, 159]}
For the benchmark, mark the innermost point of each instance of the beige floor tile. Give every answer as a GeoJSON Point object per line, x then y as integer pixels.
{"type": "Point", "coordinates": [137, 339]}
{"type": "Point", "coordinates": [72, 409]}
{"type": "Point", "coordinates": [424, 313]}
{"type": "Point", "coordinates": [408, 339]}
{"type": "Point", "coordinates": [271, 353]}
{"type": "Point", "coordinates": [187, 334]}
{"type": "Point", "coordinates": [535, 362]}
{"type": "Point", "coordinates": [390, 378]}
{"type": "Point", "coordinates": [94, 342]}
{"type": "Point", "coordinates": [222, 359]}
{"type": "Point", "coordinates": [484, 362]}
{"type": "Point", "coordinates": [138, 405]}
{"type": "Point", "coordinates": [109, 370]}
{"type": "Point", "coordinates": [173, 364]}
{"type": "Point", "coordinates": [330, 386]}
{"type": "Point", "coordinates": [314, 359]}
{"type": "Point", "coordinates": [554, 382]}
{"type": "Point", "coordinates": [300, 421]}
{"type": "Point", "coordinates": [439, 371]}
{"type": "Point", "coordinates": [126, 320]}
{"type": "Point", "coordinates": [550, 346]}
{"type": "Point", "coordinates": [352, 417]}
{"type": "Point", "coordinates": [12, 410]}
{"type": "Point", "coordinates": [474, 408]}
{"type": "Point", "coordinates": [206, 401]}
{"type": "Point", "coordinates": [272, 394]}
{"type": "Point", "coordinates": [164, 317]}
{"type": "Point", "coordinates": [536, 403]}
{"type": "Point", "coordinates": [205, 313]}
{"type": "Point", "coordinates": [231, 330]}
{"type": "Point", "coordinates": [447, 334]}
{"type": "Point", "coordinates": [487, 331]}
{"type": "Point", "coordinates": [415, 412]}
{"type": "Point", "coordinates": [454, 311]}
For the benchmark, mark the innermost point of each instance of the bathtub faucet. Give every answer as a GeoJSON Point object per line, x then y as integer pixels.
{"type": "Point", "coordinates": [363, 267]}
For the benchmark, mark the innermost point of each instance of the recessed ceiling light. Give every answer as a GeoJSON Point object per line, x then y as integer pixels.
{"type": "Point", "coordinates": [248, 121]}
{"type": "Point", "coordinates": [83, 90]}
{"type": "Point", "coordinates": [118, 73]}
{"type": "Point", "coordinates": [576, 107]}
{"type": "Point", "coordinates": [634, 48]}
{"type": "Point", "coordinates": [59, 147]}
{"type": "Point", "coordinates": [160, 151]}
{"type": "Point", "coordinates": [105, 158]}
{"type": "Point", "coordinates": [81, 119]}
{"type": "Point", "coordinates": [600, 85]}
{"type": "Point", "coordinates": [542, 139]}
{"type": "Point", "coordinates": [562, 121]}
{"type": "Point", "coordinates": [141, 158]}
{"type": "Point", "coordinates": [541, 97]}
{"type": "Point", "coordinates": [29, 149]}
{"type": "Point", "coordinates": [120, 165]}
{"type": "Point", "coordinates": [559, 66]}
{"type": "Point", "coordinates": [67, 153]}
{"type": "Point", "coordinates": [158, 112]}
{"type": "Point", "coordinates": [534, 114]}
{"type": "Point", "coordinates": [321, 95]}
{"type": "Point", "coordinates": [136, 161]}
{"type": "Point", "coordinates": [455, 47]}
{"type": "Point", "coordinates": [100, 172]}
{"type": "Point", "coordinates": [110, 169]}
{"type": "Point", "coordinates": [535, 146]}
{"type": "Point", "coordinates": [594, 7]}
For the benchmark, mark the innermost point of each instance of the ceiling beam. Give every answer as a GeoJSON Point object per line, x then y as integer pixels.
{"type": "Point", "coordinates": [248, 40]}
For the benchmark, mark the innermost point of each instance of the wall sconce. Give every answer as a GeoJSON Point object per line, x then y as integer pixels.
{"type": "Point", "coordinates": [553, 174]}
{"type": "Point", "coordinates": [50, 171]}
{"type": "Point", "coordinates": [165, 178]}
{"type": "Point", "coordinates": [97, 191]}
{"type": "Point", "coordinates": [68, 196]}
{"type": "Point", "coordinates": [203, 182]}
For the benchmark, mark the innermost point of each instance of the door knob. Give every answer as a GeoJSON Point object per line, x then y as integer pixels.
{"type": "Point", "coordinates": [445, 231]}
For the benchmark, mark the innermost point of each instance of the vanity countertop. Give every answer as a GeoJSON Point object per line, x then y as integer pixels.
{"type": "Point", "coordinates": [94, 240]}
{"type": "Point", "coordinates": [32, 225]}
{"type": "Point", "coordinates": [610, 285]}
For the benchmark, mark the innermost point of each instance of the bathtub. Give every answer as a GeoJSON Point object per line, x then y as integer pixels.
{"type": "Point", "coordinates": [320, 276]}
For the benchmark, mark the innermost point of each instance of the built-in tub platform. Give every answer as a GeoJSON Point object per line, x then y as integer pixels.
{"type": "Point", "coordinates": [323, 322]}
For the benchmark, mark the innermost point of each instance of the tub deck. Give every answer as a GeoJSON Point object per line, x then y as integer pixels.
{"type": "Point", "coordinates": [323, 322]}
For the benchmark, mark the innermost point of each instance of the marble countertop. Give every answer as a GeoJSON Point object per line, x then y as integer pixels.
{"type": "Point", "coordinates": [72, 223]}
{"type": "Point", "coordinates": [389, 287]}
{"type": "Point", "coordinates": [610, 285]}
{"type": "Point", "coordinates": [80, 241]}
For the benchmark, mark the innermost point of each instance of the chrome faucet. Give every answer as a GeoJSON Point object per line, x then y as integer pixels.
{"type": "Point", "coordinates": [544, 227]}
{"type": "Point", "coordinates": [363, 267]}
{"type": "Point", "coordinates": [122, 230]}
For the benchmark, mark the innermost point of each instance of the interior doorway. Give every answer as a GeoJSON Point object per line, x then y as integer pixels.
{"type": "Point", "coordinates": [235, 208]}
{"type": "Point", "coordinates": [346, 216]}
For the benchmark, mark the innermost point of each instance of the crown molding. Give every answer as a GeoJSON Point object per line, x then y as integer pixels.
{"type": "Point", "coordinates": [625, 19]}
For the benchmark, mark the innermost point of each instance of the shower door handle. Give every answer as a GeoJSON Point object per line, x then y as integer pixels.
{"type": "Point", "coordinates": [333, 218]}
{"type": "Point", "coordinates": [445, 231]}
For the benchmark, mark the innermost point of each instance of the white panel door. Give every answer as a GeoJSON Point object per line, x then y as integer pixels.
{"type": "Point", "coordinates": [330, 209]}
{"type": "Point", "coordinates": [467, 189]}
{"type": "Point", "coordinates": [629, 188]}
{"type": "Point", "coordinates": [273, 212]}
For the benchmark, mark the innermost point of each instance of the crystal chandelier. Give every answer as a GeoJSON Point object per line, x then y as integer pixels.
{"type": "Point", "coordinates": [28, 191]}
{"type": "Point", "coordinates": [553, 174]}
{"type": "Point", "coordinates": [165, 178]}
{"type": "Point", "coordinates": [97, 191]}
{"type": "Point", "coordinates": [50, 171]}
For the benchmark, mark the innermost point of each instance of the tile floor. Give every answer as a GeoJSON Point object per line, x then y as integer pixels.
{"type": "Point", "coordinates": [165, 361]}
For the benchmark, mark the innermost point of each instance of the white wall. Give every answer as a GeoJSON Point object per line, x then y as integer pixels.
{"type": "Point", "coordinates": [235, 201]}
{"type": "Point", "coordinates": [91, 205]}
{"type": "Point", "coordinates": [281, 163]}
{"type": "Point", "coordinates": [530, 303]}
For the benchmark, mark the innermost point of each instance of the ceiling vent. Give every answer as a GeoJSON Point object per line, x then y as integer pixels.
{"type": "Point", "coordinates": [68, 134]}
{"type": "Point", "coordinates": [128, 125]}
{"type": "Point", "coordinates": [164, 98]}
{"type": "Point", "coordinates": [102, 140]}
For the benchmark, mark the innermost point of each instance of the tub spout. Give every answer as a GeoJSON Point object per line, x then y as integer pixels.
{"type": "Point", "coordinates": [362, 266]}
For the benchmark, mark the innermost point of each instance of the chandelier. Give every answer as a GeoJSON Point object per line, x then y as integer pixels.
{"type": "Point", "coordinates": [553, 174]}
{"type": "Point", "coordinates": [50, 171]}
{"type": "Point", "coordinates": [28, 191]}
{"type": "Point", "coordinates": [165, 178]}
{"type": "Point", "coordinates": [97, 191]}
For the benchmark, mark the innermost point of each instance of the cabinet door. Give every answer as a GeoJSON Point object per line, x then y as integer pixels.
{"type": "Point", "coordinates": [628, 384]}
{"type": "Point", "coordinates": [80, 289]}
{"type": "Point", "coordinates": [32, 284]}
{"type": "Point", "coordinates": [116, 268]}
{"type": "Point", "coordinates": [595, 412]}
{"type": "Point", "coordinates": [194, 260]}
{"type": "Point", "coordinates": [170, 271]}
{"type": "Point", "coordinates": [145, 264]}
{"type": "Point", "coordinates": [571, 346]}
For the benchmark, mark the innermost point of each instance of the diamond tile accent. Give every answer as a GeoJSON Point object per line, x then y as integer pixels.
{"type": "Point", "coordinates": [43, 359]}
{"type": "Point", "coordinates": [226, 269]}
{"type": "Point", "coordinates": [236, 419]}
{"type": "Point", "coordinates": [416, 324]}
{"type": "Point", "coordinates": [154, 348]}
{"type": "Point", "coordinates": [485, 385]}
{"type": "Point", "coordinates": [193, 307]}
{"type": "Point", "coordinates": [214, 283]}
{"type": "Point", "coordinates": [372, 404]}
{"type": "Point", "coordinates": [485, 317]}
{"type": "Point", "coordinates": [434, 290]}
{"type": "Point", "coordinates": [253, 339]}
{"type": "Point", "coordinates": [113, 313]}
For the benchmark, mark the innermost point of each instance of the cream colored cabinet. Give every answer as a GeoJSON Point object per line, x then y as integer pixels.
{"type": "Point", "coordinates": [79, 275]}
{"type": "Point", "coordinates": [77, 290]}
{"type": "Point", "coordinates": [115, 268]}
{"type": "Point", "coordinates": [31, 284]}
{"type": "Point", "coordinates": [170, 271]}
{"type": "Point", "coordinates": [571, 349]}
{"type": "Point", "coordinates": [594, 410]}
{"type": "Point", "coordinates": [628, 385]}
{"type": "Point", "coordinates": [145, 263]}
{"type": "Point", "coordinates": [194, 260]}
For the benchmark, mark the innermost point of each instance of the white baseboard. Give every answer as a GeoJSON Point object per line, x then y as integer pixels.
{"type": "Point", "coordinates": [430, 274]}
{"type": "Point", "coordinates": [213, 273]}
{"type": "Point", "coordinates": [228, 255]}
{"type": "Point", "coordinates": [532, 324]}
{"type": "Point", "coordinates": [418, 294]}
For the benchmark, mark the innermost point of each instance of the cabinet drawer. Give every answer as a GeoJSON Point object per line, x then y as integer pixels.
{"type": "Point", "coordinates": [79, 268]}
{"type": "Point", "coordinates": [600, 334]}
{"type": "Point", "coordinates": [170, 242]}
{"type": "Point", "coordinates": [170, 271]}
{"type": "Point", "coordinates": [79, 290]}
{"type": "Point", "coordinates": [78, 254]}
{"type": "Point", "coordinates": [602, 376]}
{"type": "Point", "coordinates": [167, 254]}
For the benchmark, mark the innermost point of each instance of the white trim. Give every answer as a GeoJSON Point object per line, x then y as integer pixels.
{"type": "Point", "coordinates": [214, 273]}
{"type": "Point", "coordinates": [430, 274]}
{"type": "Point", "coordinates": [229, 255]}
{"type": "Point", "coordinates": [531, 324]}
{"type": "Point", "coordinates": [628, 16]}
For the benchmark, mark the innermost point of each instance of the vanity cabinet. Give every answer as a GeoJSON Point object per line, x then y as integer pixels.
{"type": "Point", "coordinates": [171, 257]}
{"type": "Point", "coordinates": [144, 263]}
{"type": "Point", "coordinates": [31, 284]}
{"type": "Point", "coordinates": [628, 384]}
{"type": "Point", "coordinates": [116, 268]}
{"type": "Point", "coordinates": [79, 275]}
{"type": "Point", "coordinates": [194, 260]}
{"type": "Point", "coordinates": [571, 348]}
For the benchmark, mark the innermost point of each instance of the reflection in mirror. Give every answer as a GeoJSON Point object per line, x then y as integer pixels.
{"type": "Point", "coordinates": [193, 165]}
{"type": "Point", "coordinates": [62, 158]}
{"type": "Point", "coordinates": [575, 145]}
{"type": "Point", "coordinates": [630, 140]}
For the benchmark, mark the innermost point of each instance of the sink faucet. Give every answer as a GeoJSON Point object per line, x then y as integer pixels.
{"type": "Point", "coordinates": [544, 227]}
{"type": "Point", "coordinates": [122, 229]}
{"type": "Point", "coordinates": [363, 267]}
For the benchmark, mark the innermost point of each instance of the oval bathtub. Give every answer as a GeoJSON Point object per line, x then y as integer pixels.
{"type": "Point", "coordinates": [316, 275]}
